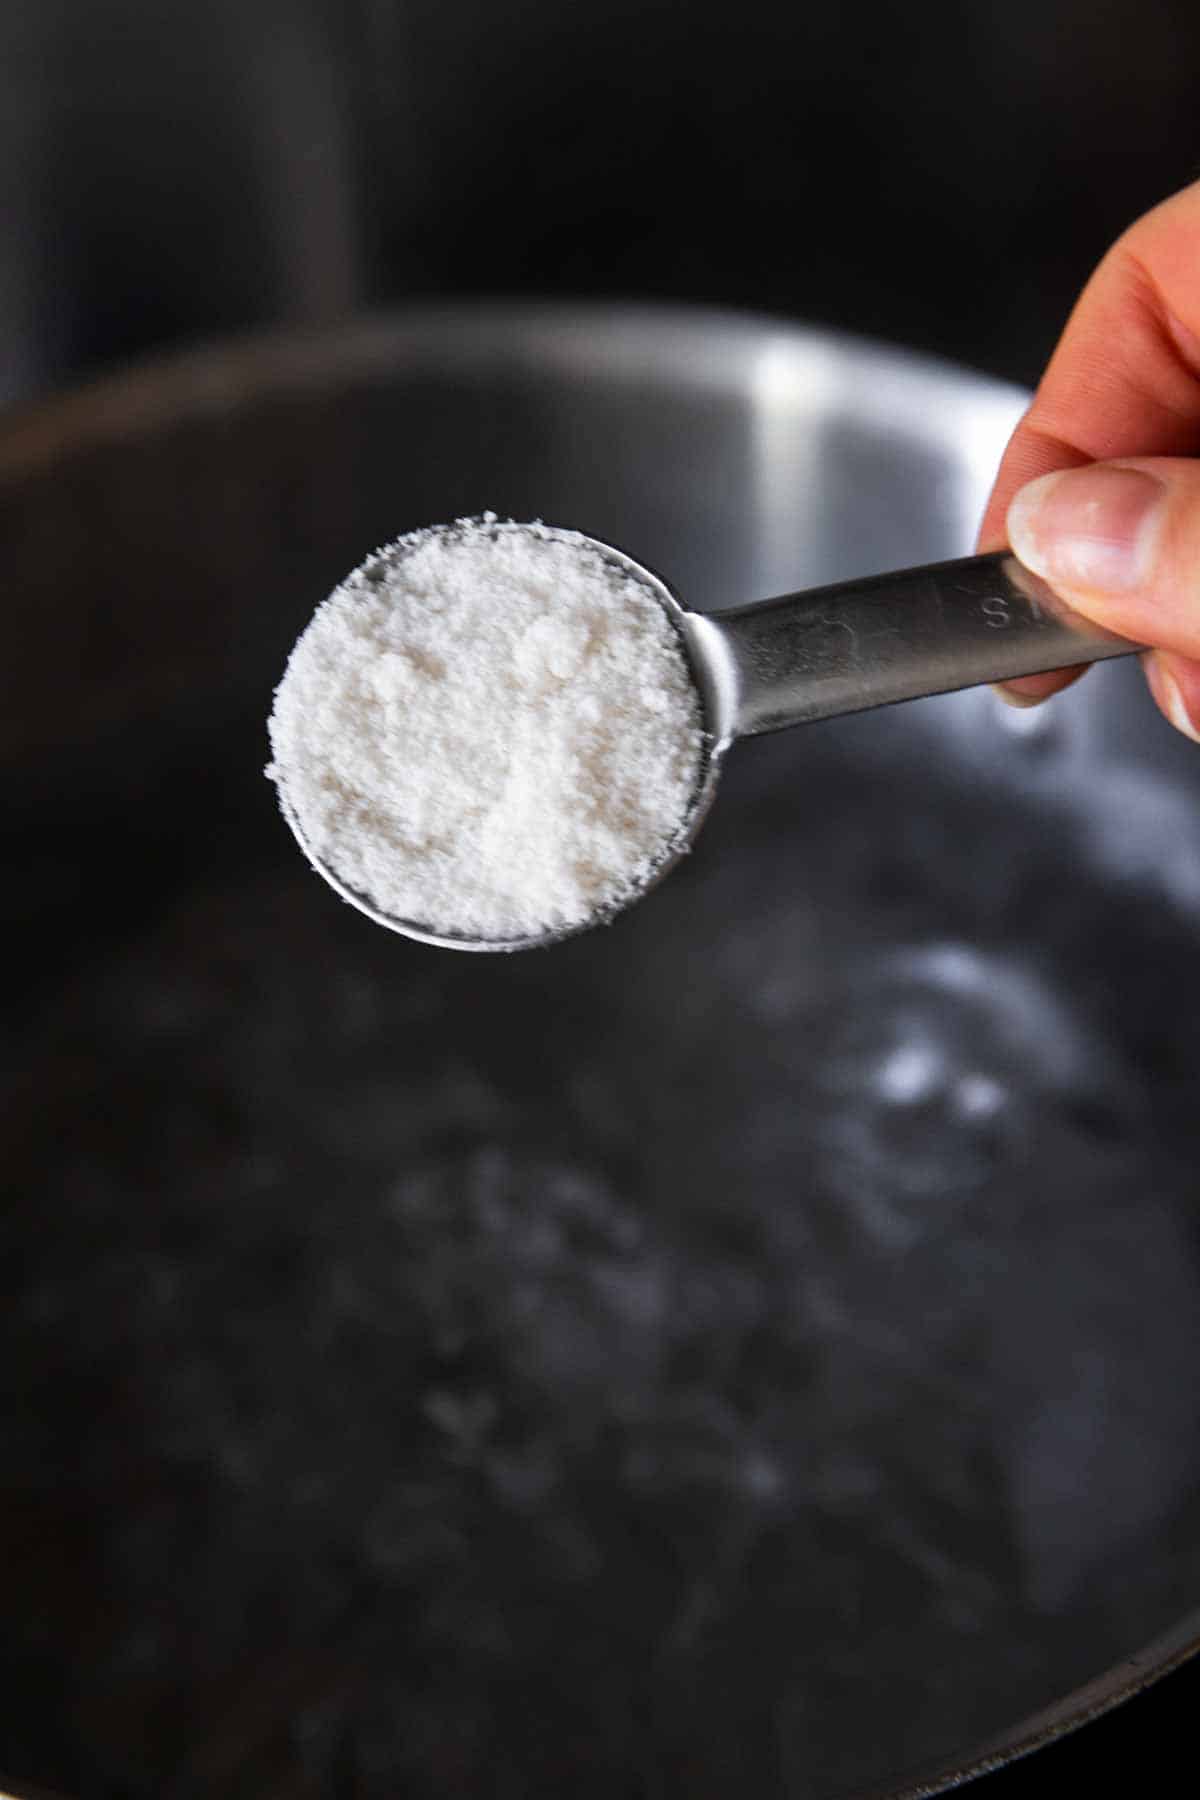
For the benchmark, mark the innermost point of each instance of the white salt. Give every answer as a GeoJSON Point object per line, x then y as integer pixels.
{"type": "Point", "coordinates": [489, 730]}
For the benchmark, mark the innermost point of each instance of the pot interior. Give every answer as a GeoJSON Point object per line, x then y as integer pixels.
{"type": "Point", "coordinates": [746, 1350]}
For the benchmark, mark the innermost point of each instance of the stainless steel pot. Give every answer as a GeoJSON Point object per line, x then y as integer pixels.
{"type": "Point", "coordinates": [749, 1350]}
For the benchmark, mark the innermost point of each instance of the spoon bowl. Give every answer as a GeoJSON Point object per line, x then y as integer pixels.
{"type": "Point", "coordinates": [711, 675]}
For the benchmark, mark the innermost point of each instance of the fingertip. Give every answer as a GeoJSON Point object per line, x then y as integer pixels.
{"type": "Point", "coordinates": [1023, 518]}
{"type": "Point", "coordinates": [1174, 682]}
{"type": "Point", "coordinates": [1032, 690]}
{"type": "Point", "coordinates": [1013, 696]}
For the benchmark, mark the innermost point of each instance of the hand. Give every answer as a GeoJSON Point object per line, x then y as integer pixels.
{"type": "Point", "coordinates": [1099, 489]}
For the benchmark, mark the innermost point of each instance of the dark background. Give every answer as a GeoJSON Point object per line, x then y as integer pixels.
{"type": "Point", "coordinates": [942, 174]}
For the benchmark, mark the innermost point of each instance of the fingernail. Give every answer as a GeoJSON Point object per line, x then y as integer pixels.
{"type": "Point", "coordinates": [1013, 694]}
{"type": "Point", "coordinates": [1170, 695]}
{"type": "Point", "coordinates": [1087, 528]}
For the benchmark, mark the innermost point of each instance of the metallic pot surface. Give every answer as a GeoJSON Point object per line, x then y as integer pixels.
{"type": "Point", "coordinates": [747, 1350]}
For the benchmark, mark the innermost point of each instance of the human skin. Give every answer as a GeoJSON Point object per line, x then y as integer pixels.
{"type": "Point", "coordinates": [1099, 488]}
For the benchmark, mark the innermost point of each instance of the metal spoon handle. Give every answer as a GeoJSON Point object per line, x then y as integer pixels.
{"type": "Point", "coordinates": [896, 637]}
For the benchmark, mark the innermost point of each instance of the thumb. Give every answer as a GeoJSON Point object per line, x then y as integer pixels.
{"type": "Point", "coordinates": [1120, 541]}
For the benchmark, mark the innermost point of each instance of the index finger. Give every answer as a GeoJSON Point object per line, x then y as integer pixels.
{"type": "Point", "coordinates": [1125, 378]}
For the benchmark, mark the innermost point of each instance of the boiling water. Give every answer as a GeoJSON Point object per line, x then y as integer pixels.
{"type": "Point", "coordinates": [747, 1350]}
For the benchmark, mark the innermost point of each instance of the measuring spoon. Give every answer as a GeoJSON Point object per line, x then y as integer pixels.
{"type": "Point", "coordinates": [827, 651]}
